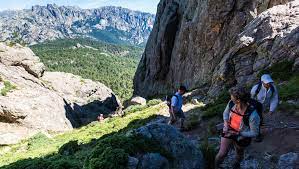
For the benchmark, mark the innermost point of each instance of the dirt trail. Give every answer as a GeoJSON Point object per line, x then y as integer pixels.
{"type": "Point", "coordinates": [281, 136]}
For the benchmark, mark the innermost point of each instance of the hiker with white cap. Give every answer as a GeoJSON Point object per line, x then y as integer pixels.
{"type": "Point", "coordinates": [266, 93]}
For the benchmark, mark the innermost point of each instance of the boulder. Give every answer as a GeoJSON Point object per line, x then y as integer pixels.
{"type": "Point", "coordinates": [185, 154]}
{"type": "Point", "coordinates": [153, 161]}
{"type": "Point", "coordinates": [32, 101]}
{"type": "Point", "coordinates": [138, 101]}
{"type": "Point", "coordinates": [288, 161]}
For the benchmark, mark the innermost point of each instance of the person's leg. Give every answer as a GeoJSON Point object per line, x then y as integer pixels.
{"type": "Point", "coordinates": [182, 124]}
{"type": "Point", "coordinates": [239, 155]}
{"type": "Point", "coordinates": [172, 118]}
{"type": "Point", "coordinates": [224, 148]}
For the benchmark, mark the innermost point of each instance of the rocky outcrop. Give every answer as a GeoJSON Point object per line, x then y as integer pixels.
{"type": "Point", "coordinates": [185, 154]}
{"type": "Point", "coordinates": [191, 40]}
{"type": "Point", "coordinates": [138, 101]}
{"type": "Point", "coordinates": [270, 38]}
{"type": "Point", "coordinates": [50, 22]}
{"type": "Point", "coordinates": [33, 101]}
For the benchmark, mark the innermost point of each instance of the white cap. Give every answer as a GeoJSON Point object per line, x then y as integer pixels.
{"type": "Point", "coordinates": [266, 78]}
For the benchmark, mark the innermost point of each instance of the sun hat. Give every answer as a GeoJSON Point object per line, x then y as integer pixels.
{"type": "Point", "coordinates": [266, 78]}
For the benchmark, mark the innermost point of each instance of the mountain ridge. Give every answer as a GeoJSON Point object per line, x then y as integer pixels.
{"type": "Point", "coordinates": [41, 23]}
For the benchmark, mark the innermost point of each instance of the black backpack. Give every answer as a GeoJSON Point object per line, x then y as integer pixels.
{"type": "Point", "coordinates": [253, 105]}
{"type": "Point", "coordinates": [168, 100]}
{"type": "Point", "coordinates": [259, 88]}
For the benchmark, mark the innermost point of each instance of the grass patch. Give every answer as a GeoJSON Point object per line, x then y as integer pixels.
{"type": "Point", "coordinates": [8, 87]}
{"type": "Point", "coordinates": [289, 108]}
{"type": "Point", "coordinates": [70, 150]}
{"type": "Point", "coordinates": [154, 102]}
{"type": "Point", "coordinates": [290, 90]}
{"type": "Point", "coordinates": [216, 108]}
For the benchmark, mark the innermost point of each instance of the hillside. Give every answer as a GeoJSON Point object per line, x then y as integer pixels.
{"type": "Point", "coordinates": [110, 24]}
{"type": "Point", "coordinates": [112, 65]}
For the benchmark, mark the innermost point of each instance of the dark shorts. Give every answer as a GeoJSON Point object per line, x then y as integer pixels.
{"type": "Point", "coordinates": [179, 114]}
{"type": "Point", "coordinates": [242, 143]}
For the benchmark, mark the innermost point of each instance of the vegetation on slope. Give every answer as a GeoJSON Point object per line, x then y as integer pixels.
{"type": "Point", "coordinates": [111, 65]}
{"type": "Point", "coordinates": [94, 146]}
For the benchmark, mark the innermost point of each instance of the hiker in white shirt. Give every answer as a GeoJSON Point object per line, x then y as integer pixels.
{"type": "Point", "coordinates": [266, 93]}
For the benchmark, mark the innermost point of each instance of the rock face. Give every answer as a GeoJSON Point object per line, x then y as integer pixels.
{"type": "Point", "coordinates": [185, 154]}
{"type": "Point", "coordinates": [33, 101]}
{"type": "Point", "coordinates": [51, 22]}
{"type": "Point", "coordinates": [210, 44]}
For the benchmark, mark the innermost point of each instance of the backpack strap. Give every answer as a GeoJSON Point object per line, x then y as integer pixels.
{"type": "Point", "coordinates": [259, 86]}
{"type": "Point", "coordinates": [231, 104]}
{"type": "Point", "coordinates": [272, 89]}
{"type": "Point", "coordinates": [248, 112]}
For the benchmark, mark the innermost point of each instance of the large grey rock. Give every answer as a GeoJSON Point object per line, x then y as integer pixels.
{"type": "Point", "coordinates": [153, 161]}
{"type": "Point", "coordinates": [41, 23]}
{"type": "Point", "coordinates": [190, 40]}
{"type": "Point", "coordinates": [138, 101]}
{"type": "Point", "coordinates": [54, 102]}
{"type": "Point", "coordinates": [287, 161]}
{"type": "Point", "coordinates": [132, 162]}
{"type": "Point", "coordinates": [185, 154]}
{"type": "Point", "coordinates": [20, 56]}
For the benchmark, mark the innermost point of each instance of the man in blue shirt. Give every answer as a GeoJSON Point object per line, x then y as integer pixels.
{"type": "Point", "coordinates": [175, 108]}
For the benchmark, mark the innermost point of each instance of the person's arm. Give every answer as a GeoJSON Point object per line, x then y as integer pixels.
{"type": "Point", "coordinates": [252, 92]}
{"type": "Point", "coordinates": [174, 102]}
{"type": "Point", "coordinates": [226, 116]}
{"type": "Point", "coordinates": [254, 125]}
{"type": "Point", "coordinates": [274, 100]}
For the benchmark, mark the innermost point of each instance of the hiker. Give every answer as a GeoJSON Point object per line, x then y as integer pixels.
{"type": "Point", "coordinates": [101, 118]}
{"type": "Point", "coordinates": [241, 123]}
{"type": "Point", "coordinates": [266, 93]}
{"type": "Point", "coordinates": [175, 107]}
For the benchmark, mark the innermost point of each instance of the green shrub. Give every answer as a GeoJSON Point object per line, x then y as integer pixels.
{"type": "Point", "coordinates": [289, 90]}
{"type": "Point", "coordinates": [120, 147]}
{"type": "Point", "coordinates": [154, 102]}
{"type": "Point", "coordinates": [135, 108]}
{"type": "Point", "coordinates": [8, 87]}
{"type": "Point", "coordinates": [192, 121]}
{"type": "Point", "coordinates": [37, 141]}
{"type": "Point", "coordinates": [209, 153]}
{"type": "Point", "coordinates": [280, 71]}
{"type": "Point", "coordinates": [217, 107]}
{"type": "Point", "coordinates": [69, 148]}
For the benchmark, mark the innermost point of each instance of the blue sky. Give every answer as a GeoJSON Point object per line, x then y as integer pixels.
{"type": "Point", "coordinates": [141, 5]}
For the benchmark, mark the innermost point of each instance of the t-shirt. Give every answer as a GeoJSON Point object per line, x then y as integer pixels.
{"type": "Point", "coordinates": [177, 102]}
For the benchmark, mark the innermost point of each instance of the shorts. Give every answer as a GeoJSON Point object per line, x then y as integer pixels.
{"type": "Point", "coordinates": [179, 114]}
{"type": "Point", "coordinates": [242, 143]}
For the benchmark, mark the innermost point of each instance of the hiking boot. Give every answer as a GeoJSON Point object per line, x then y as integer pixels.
{"type": "Point", "coordinates": [258, 138]}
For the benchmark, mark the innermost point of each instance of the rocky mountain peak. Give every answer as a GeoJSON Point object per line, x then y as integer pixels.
{"type": "Point", "coordinates": [41, 23]}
